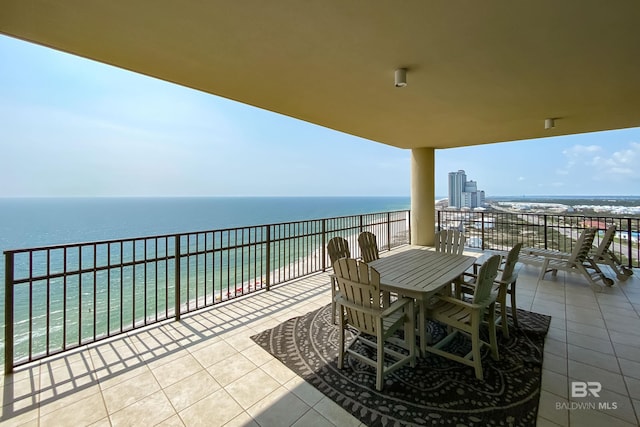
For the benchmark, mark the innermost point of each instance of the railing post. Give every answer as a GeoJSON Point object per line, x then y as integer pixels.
{"type": "Point", "coordinates": [545, 232]}
{"type": "Point", "coordinates": [177, 278]}
{"type": "Point", "coordinates": [361, 222]}
{"type": "Point", "coordinates": [409, 227]}
{"type": "Point", "coordinates": [629, 245]}
{"type": "Point", "coordinates": [389, 230]}
{"type": "Point", "coordinates": [439, 221]}
{"type": "Point", "coordinates": [8, 312]}
{"type": "Point", "coordinates": [268, 278]}
{"type": "Point", "coordinates": [482, 232]}
{"type": "Point", "coordinates": [324, 244]}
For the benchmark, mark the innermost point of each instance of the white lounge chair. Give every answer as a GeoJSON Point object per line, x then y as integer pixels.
{"type": "Point", "coordinates": [604, 255]}
{"type": "Point", "coordinates": [577, 261]}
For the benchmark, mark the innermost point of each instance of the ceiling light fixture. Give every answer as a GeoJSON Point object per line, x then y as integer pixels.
{"type": "Point", "coordinates": [549, 123]}
{"type": "Point", "coordinates": [401, 77]}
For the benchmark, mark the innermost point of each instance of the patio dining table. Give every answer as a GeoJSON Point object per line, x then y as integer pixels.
{"type": "Point", "coordinates": [419, 273]}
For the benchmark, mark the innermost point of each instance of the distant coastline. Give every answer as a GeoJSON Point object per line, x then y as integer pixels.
{"type": "Point", "coordinates": [623, 204]}
{"type": "Point", "coordinates": [579, 205]}
{"type": "Point", "coordinates": [540, 198]}
{"type": "Point", "coordinates": [573, 198]}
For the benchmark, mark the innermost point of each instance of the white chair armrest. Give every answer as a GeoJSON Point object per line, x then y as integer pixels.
{"type": "Point", "coordinates": [466, 304]}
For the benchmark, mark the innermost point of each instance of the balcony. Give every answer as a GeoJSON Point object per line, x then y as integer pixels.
{"type": "Point", "coordinates": [204, 368]}
{"type": "Point", "coordinates": [478, 99]}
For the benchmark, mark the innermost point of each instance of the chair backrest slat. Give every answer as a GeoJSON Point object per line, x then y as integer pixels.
{"type": "Point", "coordinates": [368, 246]}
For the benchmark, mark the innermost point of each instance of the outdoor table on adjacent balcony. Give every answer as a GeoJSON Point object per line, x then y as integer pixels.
{"type": "Point", "coordinates": [419, 273]}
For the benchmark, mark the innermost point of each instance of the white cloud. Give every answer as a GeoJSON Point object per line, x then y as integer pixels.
{"type": "Point", "coordinates": [599, 164]}
{"type": "Point", "coordinates": [581, 154]}
{"type": "Point", "coordinates": [620, 164]}
{"type": "Point", "coordinates": [579, 150]}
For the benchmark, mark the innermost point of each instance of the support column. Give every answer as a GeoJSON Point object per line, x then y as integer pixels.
{"type": "Point", "coordinates": [423, 196]}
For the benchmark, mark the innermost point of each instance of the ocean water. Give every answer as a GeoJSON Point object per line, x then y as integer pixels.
{"type": "Point", "coordinates": [29, 222]}
{"type": "Point", "coordinates": [35, 222]}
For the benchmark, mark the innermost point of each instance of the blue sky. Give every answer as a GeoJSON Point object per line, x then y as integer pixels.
{"type": "Point", "coordinates": [73, 127]}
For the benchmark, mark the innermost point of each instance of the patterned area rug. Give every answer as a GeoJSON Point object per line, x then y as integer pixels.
{"type": "Point", "coordinates": [436, 392]}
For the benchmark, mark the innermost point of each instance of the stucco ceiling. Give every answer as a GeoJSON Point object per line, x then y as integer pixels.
{"type": "Point", "coordinates": [478, 71]}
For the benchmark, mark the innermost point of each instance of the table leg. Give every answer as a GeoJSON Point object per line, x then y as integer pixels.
{"type": "Point", "coordinates": [422, 325]}
{"type": "Point", "coordinates": [386, 299]}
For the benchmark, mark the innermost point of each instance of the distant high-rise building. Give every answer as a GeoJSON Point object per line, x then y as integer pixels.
{"type": "Point", "coordinates": [463, 193]}
{"type": "Point", "coordinates": [457, 181]}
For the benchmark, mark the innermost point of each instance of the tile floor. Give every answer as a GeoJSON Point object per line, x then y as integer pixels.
{"type": "Point", "coordinates": [204, 370]}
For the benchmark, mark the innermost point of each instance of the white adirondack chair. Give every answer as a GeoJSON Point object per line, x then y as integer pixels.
{"type": "Point", "coordinates": [467, 316]}
{"type": "Point", "coordinates": [504, 285]}
{"type": "Point", "coordinates": [338, 247]}
{"type": "Point", "coordinates": [360, 305]}
{"type": "Point", "coordinates": [368, 246]}
{"type": "Point", "coordinates": [450, 241]}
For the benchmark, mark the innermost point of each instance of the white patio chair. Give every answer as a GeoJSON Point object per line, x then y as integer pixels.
{"type": "Point", "coordinates": [368, 246]}
{"type": "Point", "coordinates": [338, 247]}
{"type": "Point", "coordinates": [504, 285]}
{"type": "Point", "coordinates": [466, 317]}
{"type": "Point", "coordinates": [360, 306]}
{"type": "Point", "coordinates": [450, 241]}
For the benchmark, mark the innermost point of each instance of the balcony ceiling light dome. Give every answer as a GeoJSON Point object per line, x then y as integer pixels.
{"type": "Point", "coordinates": [401, 77]}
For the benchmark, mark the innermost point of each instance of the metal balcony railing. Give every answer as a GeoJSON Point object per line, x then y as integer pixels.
{"type": "Point", "coordinates": [61, 297]}
{"type": "Point", "coordinates": [502, 230]}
